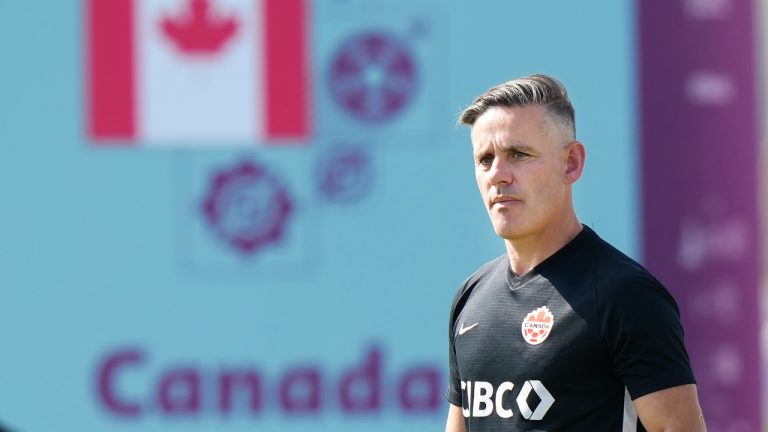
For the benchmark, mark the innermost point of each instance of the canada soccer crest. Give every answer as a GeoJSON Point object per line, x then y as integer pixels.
{"type": "Point", "coordinates": [537, 325]}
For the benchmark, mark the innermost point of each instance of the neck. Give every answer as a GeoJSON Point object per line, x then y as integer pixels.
{"type": "Point", "coordinates": [527, 252]}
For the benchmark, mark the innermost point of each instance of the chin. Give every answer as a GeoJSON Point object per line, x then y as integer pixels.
{"type": "Point", "coordinates": [510, 230]}
{"type": "Point", "coordinates": [508, 233]}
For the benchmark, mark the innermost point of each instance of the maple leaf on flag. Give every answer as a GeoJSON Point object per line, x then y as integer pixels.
{"type": "Point", "coordinates": [197, 30]}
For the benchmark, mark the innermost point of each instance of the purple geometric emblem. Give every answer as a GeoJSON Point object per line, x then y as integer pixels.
{"type": "Point", "coordinates": [373, 76]}
{"type": "Point", "coordinates": [247, 207]}
{"type": "Point", "coordinates": [344, 173]}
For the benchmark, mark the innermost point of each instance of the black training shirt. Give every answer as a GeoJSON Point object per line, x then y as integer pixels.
{"type": "Point", "coordinates": [565, 347]}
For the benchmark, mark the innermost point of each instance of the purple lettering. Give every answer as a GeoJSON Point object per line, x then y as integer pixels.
{"type": "Point", "coordinates": [300, 391]}
{"type": "Point", "coordinates": [179, 392]}
{"type": "Point", "coordinates": [420, 390]}
{"type": "Point", "coordinates": [360, 389]}
{"type": "Point", "coordinates": [182, 391]}
{"type": "Point", "coordinates": [106, 382]}
{"type": "Point", "coordinates": [229, 380]}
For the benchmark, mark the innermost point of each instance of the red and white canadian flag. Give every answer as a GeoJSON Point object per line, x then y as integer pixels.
{"type": "Point", "coordinates": [170, 72]}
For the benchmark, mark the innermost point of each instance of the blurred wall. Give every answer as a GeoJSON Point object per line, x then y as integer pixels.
{"type": "Point", "coordinates": [204, 265]}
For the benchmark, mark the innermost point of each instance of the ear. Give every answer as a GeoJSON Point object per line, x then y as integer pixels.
{"type": "Point", "coordinates": [576, 157]}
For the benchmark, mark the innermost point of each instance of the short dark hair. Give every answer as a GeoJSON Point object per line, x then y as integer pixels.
{"type": "Point", "coordinates": [537, 89]}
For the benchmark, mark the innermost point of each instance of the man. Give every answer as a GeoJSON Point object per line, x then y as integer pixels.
{"type": "Point", "coordinates": [563, 332]}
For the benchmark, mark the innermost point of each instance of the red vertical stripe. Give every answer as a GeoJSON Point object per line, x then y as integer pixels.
{"type": "Point", "coordinates": [111, 99]}
{"type": "Point", "coordinates": [286, 87]}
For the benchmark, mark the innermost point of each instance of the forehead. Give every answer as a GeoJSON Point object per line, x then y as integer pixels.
{"type": "Point", "coordinates": [509, 125]}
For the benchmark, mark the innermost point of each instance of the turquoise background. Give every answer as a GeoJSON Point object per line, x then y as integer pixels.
{"type": "Point", "coordinates": [105, 248]}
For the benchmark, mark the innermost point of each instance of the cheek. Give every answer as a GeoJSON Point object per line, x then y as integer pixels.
{"type": "Point", "coordinates": [550, 191]}
{"type": "Point", "coordinates": [482, 185]}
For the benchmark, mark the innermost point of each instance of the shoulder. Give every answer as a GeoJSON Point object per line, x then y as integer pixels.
{"type": "Point", "coordinates": [489, 270]}
{"type": "Point", "coordinates": [639, 322]}
{"type": "Point", "coordinates": [619, 278]}
{"type": "Point", "coordinates": [630, 302]}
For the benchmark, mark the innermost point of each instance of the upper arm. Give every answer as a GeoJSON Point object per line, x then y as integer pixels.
{"type": "Point", "coordinates": [453, 393]}
{"type": "Point", "coordinates": [642, 329]}
{"type": "Point", "coordinates": [455, 421]}
{"type": "Point", "coordinates": [670, 410]}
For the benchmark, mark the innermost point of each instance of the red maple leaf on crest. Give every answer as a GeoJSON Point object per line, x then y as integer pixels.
{"type": "Point", "coordinates": [541, 314]}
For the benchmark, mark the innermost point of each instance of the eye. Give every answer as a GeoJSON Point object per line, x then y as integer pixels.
{"type": "Point", "coordinates": [486, 160]}
{"type": "Point", "coordinates": [518, 155]}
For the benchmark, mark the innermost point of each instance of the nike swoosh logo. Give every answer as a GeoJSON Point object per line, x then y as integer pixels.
{"type": "Point", "coordinates": [463, 329]}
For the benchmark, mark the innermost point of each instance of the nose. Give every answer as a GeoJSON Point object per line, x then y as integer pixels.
{"type": "Point", "coordinates": [500, 171]}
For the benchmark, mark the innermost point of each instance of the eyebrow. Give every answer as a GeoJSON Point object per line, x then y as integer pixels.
{"type": "Point", "coordinates": [517, 147]}
{"type": "Point", "coordinates": [509, 148]}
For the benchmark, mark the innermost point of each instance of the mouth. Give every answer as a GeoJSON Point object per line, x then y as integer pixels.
{"type": "Point", "coordinates": [505, 201]}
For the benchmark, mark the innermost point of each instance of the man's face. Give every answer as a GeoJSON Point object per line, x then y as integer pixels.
{"type": "Point", "coordinates": [520, 167]}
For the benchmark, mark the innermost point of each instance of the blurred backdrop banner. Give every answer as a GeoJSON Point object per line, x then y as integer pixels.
{"type": "Point", "coordinates": [700, 145]}
{"type": "Point", "coordinates": [252, 215]}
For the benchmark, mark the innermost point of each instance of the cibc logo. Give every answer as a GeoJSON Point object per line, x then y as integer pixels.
{"type": "Point", "coordinates": [482, 403]}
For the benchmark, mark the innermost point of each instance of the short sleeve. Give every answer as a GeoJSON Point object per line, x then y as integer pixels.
{"type": "Point", "coordinates": [453, 394]}
{"type": "Point", "coordinates": [640, 323]}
